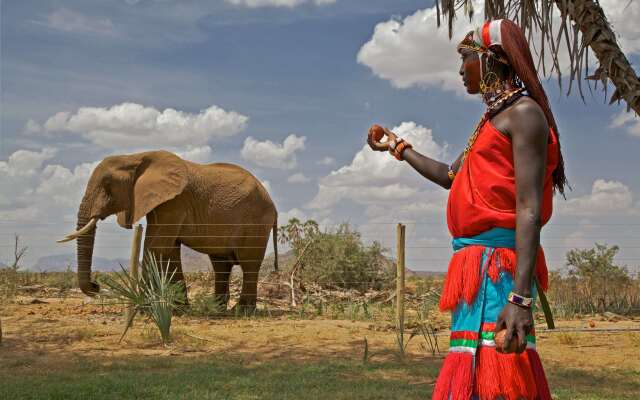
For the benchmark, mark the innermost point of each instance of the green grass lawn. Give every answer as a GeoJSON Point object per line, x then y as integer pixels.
{"type": "Point", "coordinates": [217, 378]}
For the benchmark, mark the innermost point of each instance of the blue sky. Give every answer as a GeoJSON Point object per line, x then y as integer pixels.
{"type": "Point", "coordinates": [318, 73]}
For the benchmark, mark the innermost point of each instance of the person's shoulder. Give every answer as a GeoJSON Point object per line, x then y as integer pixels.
{"type": "Point", "coordinates": [525, 106]}
{"type": "Point", "coordinates": [526, 114]}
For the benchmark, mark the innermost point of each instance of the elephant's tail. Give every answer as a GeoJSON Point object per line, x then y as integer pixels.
{"type": "Point", "coordinates": [275, 243]}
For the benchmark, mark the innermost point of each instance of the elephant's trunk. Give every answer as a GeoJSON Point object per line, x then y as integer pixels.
{"type": "Point", "coordinates": [85, 252]}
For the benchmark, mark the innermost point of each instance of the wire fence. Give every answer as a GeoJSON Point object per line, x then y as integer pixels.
{"type": "Point", "coordinates": [356, 287]}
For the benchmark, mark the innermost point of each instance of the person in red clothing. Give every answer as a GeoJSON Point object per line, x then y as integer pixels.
{"type": "Point", "coordinates": [501, 190]}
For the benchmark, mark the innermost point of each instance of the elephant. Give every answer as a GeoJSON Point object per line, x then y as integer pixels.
{"type": "Point", "coordinates": [218, 209]}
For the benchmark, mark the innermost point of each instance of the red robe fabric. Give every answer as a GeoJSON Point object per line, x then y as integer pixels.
{"type": "Point", "coordinates": [483, 194]}
{"type": "Point", "coordinates": [482, 197]}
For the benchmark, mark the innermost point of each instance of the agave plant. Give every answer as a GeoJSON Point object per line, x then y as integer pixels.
{"type": "Point", "coordinates": [154, 293]}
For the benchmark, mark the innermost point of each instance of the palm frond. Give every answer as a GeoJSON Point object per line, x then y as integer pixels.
{"type": "Point", "coordinates": [575, 26]}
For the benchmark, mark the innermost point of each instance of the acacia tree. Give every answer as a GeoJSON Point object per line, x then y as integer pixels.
{"type": "Point", "coordinates": [583, 27]}
{"type": "Point", "coordinates": [603, 282]}
{"type": "Point", "coordinates": [335, 258]}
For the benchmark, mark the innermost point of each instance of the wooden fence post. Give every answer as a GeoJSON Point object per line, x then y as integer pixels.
{"type": "Point", "coordinates": [400, 277]}
{"type": "Point", "coordinates": [133, 267]}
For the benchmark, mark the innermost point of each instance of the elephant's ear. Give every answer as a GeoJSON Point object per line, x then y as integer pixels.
{"type": "Point", "coordinates": [160, 177]}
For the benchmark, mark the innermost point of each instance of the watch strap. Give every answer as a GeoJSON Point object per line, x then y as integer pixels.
{"type": "Point", "coordinates": [518, 300]}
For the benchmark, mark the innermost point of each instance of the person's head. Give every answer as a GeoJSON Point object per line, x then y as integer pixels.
{"type": "Point", "coordinates": [480, 74]}
{"type": "Point", "coordinates": [496, 57]}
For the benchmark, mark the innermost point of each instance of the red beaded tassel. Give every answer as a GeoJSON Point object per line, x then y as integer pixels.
{"type": "Point", "coordinates": [538, 372]}
{"type": "Point", "coordinates": [465, 273]}
{"type": "Point", "coordinates": [505, 259]}
{"type": "Point", "coordinates": [505, 376]}
{"type": "Point", "coordinates": [455, 381]}
{"type": "Point", "coordinates": [463, 277]}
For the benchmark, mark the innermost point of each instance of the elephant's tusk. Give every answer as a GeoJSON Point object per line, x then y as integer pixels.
{"type": "Point", "coordinates": [74, 235]}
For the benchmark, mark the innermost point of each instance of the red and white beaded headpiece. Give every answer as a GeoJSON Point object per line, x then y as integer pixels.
{"type": "Point", "coordinates": [485, 39]}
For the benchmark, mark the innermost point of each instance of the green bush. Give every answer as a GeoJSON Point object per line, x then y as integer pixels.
{"type": "Point", "coordinates": [337, 258]}
{"type": "Point", "coordinates": [594, 283]}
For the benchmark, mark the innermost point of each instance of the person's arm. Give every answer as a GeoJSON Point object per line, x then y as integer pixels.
{"type": "Point", "coordinates": [437, 172]}
{"type": "Point", "coordinates": [431, 169]}
{"type": "Point", "coordinates": [529, 133]}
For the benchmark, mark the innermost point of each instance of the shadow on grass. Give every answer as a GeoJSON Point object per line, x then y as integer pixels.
{"type": "Point", "coordinates": [217, 378]}
{"type": "Point", "coordinates": [577, 384]}
{"type": "Point", "coordinates": [229, 376]}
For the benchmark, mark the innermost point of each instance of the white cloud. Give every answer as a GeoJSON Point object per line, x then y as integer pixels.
{"type": "Point", "coordinates": [278, 3]}
{"type": "Point", "coordinates": [284, 217]}
{"type": "Point", "coordinates": [327, 161]}
{"type": "Point", "coordinates": [627, 120]}
{"type": "Point", "coordinates": [39, 200]}
{"type": "Point", "coordinates": [273, 155]}
{"type": "Point", "coordinates": [377, 180]}
{"type": "Point", "coordinates": [134, 126]}
{"type": "Point", "coordinates": [606, 198]}
{"type": "Point", "coordinates": [72, 21]}
{"type": "Point", "coordinates": [624, 17]}
{"type": "Point", "coordinates": [202, 154]}
{"type": "Point", "coordinates": [34, 189]}
{"type": "Point", "coordinates": [25, 163]}
{"type": "Point", "coordinates": [414, 52]}
{"type": "Point", "coordinates": [376, 188]}
{"type": "Point", "coordinates": [32, 127]}
{"type": "Point", "coordinates": [323, 220]}
{"type": "Point", "coordinates": [64, 186]}
{"type": "Point", "coordinates": [298, 178]}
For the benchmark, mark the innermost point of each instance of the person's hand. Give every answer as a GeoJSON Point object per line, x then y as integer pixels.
{"type": "Point", "coordinates": [380, 146]}
{"type": "Point", "coordinates": [391, 137]}
{"type": "Point", "coordinates": [518, 321]}
{"type": "Point", "coordinates": [373, 143]}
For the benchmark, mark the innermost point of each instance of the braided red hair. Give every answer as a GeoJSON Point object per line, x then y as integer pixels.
{"type": "Point", "coordinates": [515, 48]}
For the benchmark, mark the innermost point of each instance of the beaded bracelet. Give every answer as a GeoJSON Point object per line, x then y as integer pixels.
{"type": "Point", "coordinates": [518, 300]}
{"type": "Point", "coordinates": [400, 148]}
{"type": "Point", "coordinates": [451, 173]}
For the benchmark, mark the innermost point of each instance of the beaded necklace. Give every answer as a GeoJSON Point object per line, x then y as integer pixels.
{"type": "Point", "coordinates": [492, 108]}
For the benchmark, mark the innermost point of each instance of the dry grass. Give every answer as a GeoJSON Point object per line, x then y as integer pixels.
{"type": "Point", "coordinates": [61, 335]}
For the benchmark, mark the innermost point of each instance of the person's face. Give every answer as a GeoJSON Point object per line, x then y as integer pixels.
{"type": "Point", "coordinates": [470, 70]}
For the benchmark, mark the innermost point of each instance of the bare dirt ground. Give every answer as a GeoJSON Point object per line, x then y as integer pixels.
{"type": "Point", "coordinates": [48, 332]}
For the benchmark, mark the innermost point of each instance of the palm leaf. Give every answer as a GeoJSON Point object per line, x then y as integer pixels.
{"type": "Point", "coordinates": [583, 27]}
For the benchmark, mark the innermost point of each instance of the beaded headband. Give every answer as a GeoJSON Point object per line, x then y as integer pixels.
{"type": "Point", "coordinates": [481, 40]}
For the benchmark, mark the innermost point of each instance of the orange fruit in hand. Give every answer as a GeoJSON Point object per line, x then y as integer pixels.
{"type": "Point", "coordinates": [376, 132]}
{"type": "Point", "coordinates": [500, 338]}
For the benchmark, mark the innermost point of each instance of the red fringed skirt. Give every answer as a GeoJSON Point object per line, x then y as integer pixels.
{"type": "Point", "coordinates": [476, 289]}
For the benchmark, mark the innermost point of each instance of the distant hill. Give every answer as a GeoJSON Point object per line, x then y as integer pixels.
{"type": "Point", "coordinates": [60, 262]}
{"type": "Point", "coordinates": [425, 274]}
{"type": "Point", "coordinates": [193, 261]}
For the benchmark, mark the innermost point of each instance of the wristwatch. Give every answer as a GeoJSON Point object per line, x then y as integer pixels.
{"type": "Point", "coordinates": [518, 300]}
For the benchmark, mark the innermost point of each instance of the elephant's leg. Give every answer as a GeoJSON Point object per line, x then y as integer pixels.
{"type": "Point", "coordinates": [167, 255]}
{"type": "Point", "coordinates": [175, 267]}
{"type": "Point", "coordinates": [249, 294]}
{"type": "Point", "coordinates": [222, 270]}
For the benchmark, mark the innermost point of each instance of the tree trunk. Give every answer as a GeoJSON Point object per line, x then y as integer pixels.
{"type": "Point", "coordinates": [598, 35]}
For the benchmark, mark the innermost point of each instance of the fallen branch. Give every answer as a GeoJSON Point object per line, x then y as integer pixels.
{"type": "Point", "coordinates": [199, 338]}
